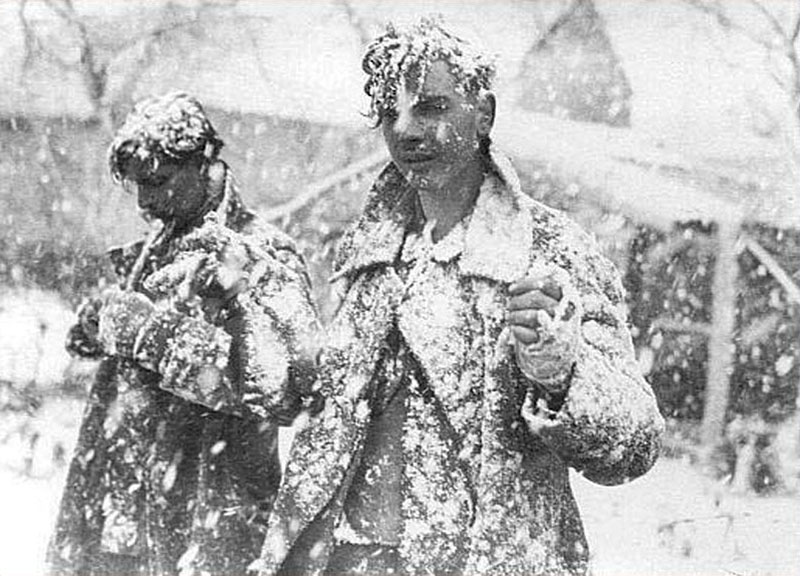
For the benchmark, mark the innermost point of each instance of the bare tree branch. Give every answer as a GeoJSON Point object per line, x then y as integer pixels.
{"type": "Point", "coordinates": [794, 83]}
{"type": "Point", "coordinates": [58, 9]}
{"type": "Point", "coordinates": [94, 73]}
{"type": "Point", "coordinates": [147, 43]}
{"type": "Point", "coordinates": [771, 19]}
{"type": "Point", "coordinates": [355, 21]}
{"type": "Point", "coordinates": [97, 54]}
{"type": "Point", "coordinates": [782, 61]}
{"type": "Point", "coordinates": [719, 14]}
{"type": "Point", "coordinates": [28, 35]}
{"type": "Point", "coordinates": [34, 45]}
{"type": "Point", "coordinates": [262, 69]}
{"type": "Point", "coordinates": [795, 30]}
{"type": "Point", "coordinates": [791, 53]}
{"type": "Point", "coordinates": [781, 82]}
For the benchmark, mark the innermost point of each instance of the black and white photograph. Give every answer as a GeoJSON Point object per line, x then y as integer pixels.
{"type": "Point", "coordinates": [412, 287]}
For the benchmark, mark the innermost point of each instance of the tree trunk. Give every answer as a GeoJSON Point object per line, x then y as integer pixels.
{"type": "Point", "coordinates": [720, 345]}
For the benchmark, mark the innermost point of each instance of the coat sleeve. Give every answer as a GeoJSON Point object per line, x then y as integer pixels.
{"type": "Point", "coordinates": [259, 361]}
{"type": "Point", "coordinates": [608, 426]}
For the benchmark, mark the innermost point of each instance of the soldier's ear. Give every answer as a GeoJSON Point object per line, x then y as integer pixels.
{"type": "Point", "coordinates": [486, 111]}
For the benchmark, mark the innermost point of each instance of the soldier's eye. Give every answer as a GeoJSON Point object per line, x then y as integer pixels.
{"type": "Point", "coordinates": [433, 106]}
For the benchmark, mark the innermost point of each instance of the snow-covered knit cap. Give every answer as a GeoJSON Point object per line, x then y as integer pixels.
{"type": "Point", "coordinates": [172, 126]}
{"type": "Point", "coordinates": [401, 51]}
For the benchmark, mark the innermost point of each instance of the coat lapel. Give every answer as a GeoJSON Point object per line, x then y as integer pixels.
{"type": "Point", "coordinates": [377, 236]}
{"type": "Point", "coordinates": [496, 250]}
{"type": "Point", "coordinates": [497, 241]}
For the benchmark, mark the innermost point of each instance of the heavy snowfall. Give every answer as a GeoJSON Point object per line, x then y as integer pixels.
{"type": "Point", "coordinates": [668, 129]}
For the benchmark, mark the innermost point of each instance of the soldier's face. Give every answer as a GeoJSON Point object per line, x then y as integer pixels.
{"type": "Point", "coordinates": [172, 192]}
{"type": "Point", "coordinates": [434, 130]}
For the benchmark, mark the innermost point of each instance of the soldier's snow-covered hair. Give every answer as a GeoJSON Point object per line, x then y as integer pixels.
{"type": "Point", "coordinates": [401, 51]}
{"type": "Point", "coordinates": [170, 127]}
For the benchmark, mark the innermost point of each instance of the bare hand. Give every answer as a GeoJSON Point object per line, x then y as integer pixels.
{"type": "Point", "coordinates": [82, 338]}
{"type": "Point", "coordinates": [530, 298]}
{"type": "Point", "coordinates": [544, 318]}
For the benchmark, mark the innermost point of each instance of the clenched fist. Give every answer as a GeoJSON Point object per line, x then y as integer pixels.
{"type": "Point", "coordinates": [82, 337]}
{"type": "Point", "coordinates": [121, 319]}
{"type": "Point", "coordinates": [544, 318]}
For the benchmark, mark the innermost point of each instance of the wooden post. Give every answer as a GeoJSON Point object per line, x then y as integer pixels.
{"type": "Point", "coordinates": [720, 343]}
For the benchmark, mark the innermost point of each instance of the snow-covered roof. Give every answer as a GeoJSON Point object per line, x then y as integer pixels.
{"type": "Point", "coordinates": [302, 59]}
{"type": "Point", "coordinates": [629, 171]}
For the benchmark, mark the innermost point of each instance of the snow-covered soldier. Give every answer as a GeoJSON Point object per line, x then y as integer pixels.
{"type": "Point", "coordinates": [205, 347]}
{"type": "Point", "coordinates": [480, 350]}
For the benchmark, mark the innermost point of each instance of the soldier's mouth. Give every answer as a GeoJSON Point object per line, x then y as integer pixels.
{"type": "Point", "coordinates": [418, 157]}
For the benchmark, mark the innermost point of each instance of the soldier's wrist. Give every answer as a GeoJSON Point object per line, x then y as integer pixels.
{"type": "Point", "coordinates": [551, 369]}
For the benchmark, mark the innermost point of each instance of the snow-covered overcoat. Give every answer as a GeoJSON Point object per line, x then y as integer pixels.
{"type": "Point", "coordinates": [175, 472]}
{"type": "Point", "coordinates": [494, 497]}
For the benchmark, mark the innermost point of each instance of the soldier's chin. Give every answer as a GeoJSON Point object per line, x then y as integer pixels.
{"type": "Point", "coordinates": [423, 178]}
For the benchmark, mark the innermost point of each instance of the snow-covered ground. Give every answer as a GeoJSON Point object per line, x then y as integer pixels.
{"type": "Point", "coordinates": [32, 339]}
{"type": "Point", "coordinates": [730, 535]}
{"type": "Point", "coordinates": [637, 529]}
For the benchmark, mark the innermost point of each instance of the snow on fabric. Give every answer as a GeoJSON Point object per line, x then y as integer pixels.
{"type": "Point", "coordinates": [176, 461]}
{"type": "Point", "coordinates": [522, 518]}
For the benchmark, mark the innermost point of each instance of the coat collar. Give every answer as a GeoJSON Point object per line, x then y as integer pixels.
{"type": "Point", "coordinates": [496, 242]}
